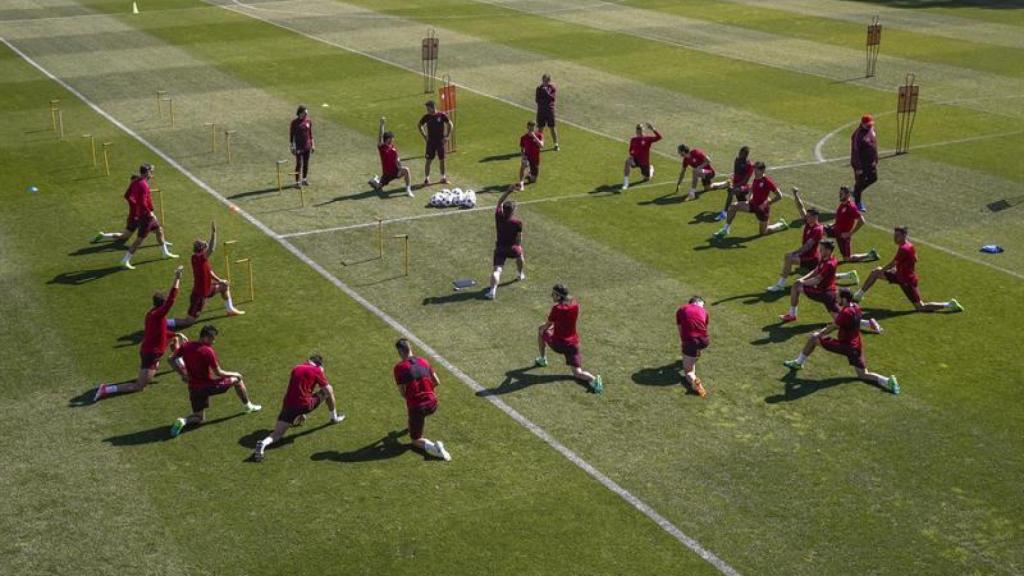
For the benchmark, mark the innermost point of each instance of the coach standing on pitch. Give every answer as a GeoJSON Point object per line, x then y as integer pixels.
{"type": "Point", "coordinates": [545, 99]}
{"type": "Point", "coordinates": [864, 158]}
{"type": "Point", "coordinates": [302, 145]}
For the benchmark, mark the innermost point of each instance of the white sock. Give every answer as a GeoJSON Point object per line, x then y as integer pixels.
{"type": "Point", "coordinates": [408, 188]}
{"type": "Point", "coordinates": [652, 171]}
{"type": "Point", "coordinates": [334, 413]}
{"type": "Point", "coordinates": [250, 405]}
{"type": "Point", "coordinates": [266, 442]}
{"type": "Point", "coordinates": [792, 310]}
{"type": "Point", "coordinates": [163, 248]}
{"type": "Point", "coordinates": [858, 295]}
{"type": "Point", "coordinates": [110, 234]}
{"type": "Point", "coordinates": [692, 375]}
{"type": "Point", "coordinates": [228, 304]}
{"type": "Point", "coordinates": [126, 258]}
{"type": "Point", "coordinates": [801, 358]}
{"type": "Point", "coordinates": [625, 181]}
{"type": "Point", "coordinates": [726, 227]}
{"type": "Point", "coordinates": [110, 389]}
{"type": "Point", "coordinates": [865, 324]}
{"type": "Point", "coordinates": [844, 275]}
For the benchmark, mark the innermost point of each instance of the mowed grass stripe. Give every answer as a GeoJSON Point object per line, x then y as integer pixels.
{"type": "Point", "coordinates": [341, 503]}
{"type": "Point", "coordinates": [910, 44]}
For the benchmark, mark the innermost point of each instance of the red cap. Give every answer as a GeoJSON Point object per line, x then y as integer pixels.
{"type": "Point", "coordinates": [867, 119]}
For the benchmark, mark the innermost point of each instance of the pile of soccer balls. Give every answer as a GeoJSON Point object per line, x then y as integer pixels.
{"type": "Point", "coordinates": [455, 197]}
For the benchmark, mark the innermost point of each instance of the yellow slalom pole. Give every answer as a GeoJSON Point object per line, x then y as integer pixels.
{"type": "Point", "coordinates": [106, 158]}
{"type": "Point", "coordinates": [60, 124]}
{"type": "Point", "coordinates": [227, 143]}
{"type": "Point", "coordinates": [380, 238]}
{"type": "Point", "coordinates": [227, 258]}
{"type": "Point", "coordinates": [92, 146]}
{"type": "Point", "coordinates": [405, 238]}
{"type": "Point", "coordinates": [248, 265]}
{"type": "Point", "coordinates": [159, 100]}
{"type": "Point", "coordinates": [53, 114]}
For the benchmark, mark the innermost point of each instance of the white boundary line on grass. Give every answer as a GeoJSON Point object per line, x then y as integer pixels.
{"type": "Point", "coordinates": [538, 431]}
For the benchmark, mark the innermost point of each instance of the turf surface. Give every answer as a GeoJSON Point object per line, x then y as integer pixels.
{"type": "Point", "coordinates": [776, 474]}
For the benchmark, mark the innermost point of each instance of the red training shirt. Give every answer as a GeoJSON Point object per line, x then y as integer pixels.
{"type": "Point", "coordinates": [696, 157]}
{"type": "Point", "coordinates": [388, 158]}
{"type": "Point", "coordinates": [508, 229]}
{"type": "Point", "coordinates": [826, 272]}
{"type": "Point", "coordinates": [848, 321]}
{"type": "Point", "coordinates": [816, 233]}
{"type": "Point", "coordinates": [155, 334]}
{"type": "Point", "coordinates": [301, 133]}
{"type": "Point", "coordinates": [202, 278]}
{"type": "Point", "coordinates": [530, 147]}
{"type": "Point", "coordinates": [846, 217]}
{"type": "Point", "coordinates": [300, 385]}
{"type": "Point", "coordinates": [760, 190]}
{"type": "Point", "coordinates": [640, 148]}
{"type": "Point", "coordinates": [140, 197]}
{"type": "Point", "coordinates": [199, 359]}
{"type": "Point", "coordinates": [693, 321]}
{"type": "Point", "coordinates": [564, 316]}
{"type": "Point", "coordinates": [906, 260]}
{"type": "Point", "coordinates": [416, 374]}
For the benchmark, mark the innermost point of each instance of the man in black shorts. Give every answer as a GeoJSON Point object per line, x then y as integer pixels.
{"type": "Point", "coordinates": [509, 241]}
{"type": "Point", "coordinates": [545, 98]}
{"type": "Point", "coordinates": [435, 127]}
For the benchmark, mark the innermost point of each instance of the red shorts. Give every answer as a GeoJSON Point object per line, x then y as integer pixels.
{"type": "Point", "coordinates": [149, 360]}
{"type": "Point", "coordinates": [534, 164]}
{"type": "Point", "coordinates": [740, 192]}
{"type": "Point", "coordinates": [201, 398]}
{"type": "Point", "coordinates": [434, 148]}
{"type": "Point", "coordinates": [763, 214]}
{"type": "Point", "coordinates": [290, 413]}
{"type": "Point", "coordinates": [692, 347]}
{"type": "Point", "coordinates": [845, 244]}
{"type": "Point", "coordinates": [197, 301]}
{"type": "Point", "coordinates": [545, 118]}
{"type": "Point", "coordinates": [829, 298]}
{"type": "Point", "coordinates": [709, 174]}
{"type": "Point", "coordinates": [645, 169]}
{"type": "Point", "coordinates": [909, 286]}
{"type": "Point", "coordinates": [854, 356]}
{"type": "Point", "coordinates": [389, 176]}
{"type": "Point", "coordinates": [142, 225]}
{"type": "Point", "coordinates": [418, 418]}
{"type": "Point", "coordinates": [570, 351]}
{"type": "Point", "coordinates": [502, 253]}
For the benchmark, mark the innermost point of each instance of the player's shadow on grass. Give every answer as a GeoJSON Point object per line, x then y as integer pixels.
{"type": "Point", "coordinates": [776, 332]}
{"type": "Point", "coordinates": [160, 433]}
{"type": "Point", "coordinates": [499, 157]}
{"type": "Point", "coordinates": [130, 339]}
{"type": "Point", "coordinates": [80, 277]}
{"type": "Point", "coordinates": [667, 375]}
{"type": "Point", "coordinates": [371, 193]}
{"type": "Point", "coordinates": [261, 191]}
{"type": "Point", "coordinates": [464, 295]}
{"type": "Point", "coordinates": [383, 449]}
{"type": "Point", "coordinates": [704, 217]}
{"type": "Point", "coordinates": [883, 313]}
{"type": "Point", "coordinates": [115, 246]}
{"type": "Point", "coordinates": [251, 439]}
{"type": "Point", "coordinates": [727, 243]}
{"type": "Point", "coordinates": [607, 189]}
{"type": "Point", "coordinates": [664, 200]}
{"type": "Point", "coordinates": [520, 378]}
{"type": "Point", "coordinates": [795, 387]}
{"type": "Point", "coordinates": [755, 297]}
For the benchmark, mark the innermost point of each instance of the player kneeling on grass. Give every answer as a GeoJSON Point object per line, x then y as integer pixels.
{"type": "Point", "coordinates": [849, 220]}
{"type": "Point", "coordinates": [416, 381]}
{"type": "Point", "coordinates": [820, 285]}
{"type": "Point", "coordinates": [640, 154]}
{"type": "Point", "coordinates": [738, 184]}
{"type": "Point", "coordinates": [901, 271]}
{"type": "Point", "coordinates": [807, 256]}
{"type": "Point", "coordinates": [300, 400]}
{"type": "Point", "coordinates": [848, 343]}
{"type": "Point", "coordinates": [530, 144]}
{"type": "Point", "coordinates": [390, 164]}
{"type": "Point", "coordinates": [205, 378]}
{"type": "Point", "coordinates": [763, 193]}
{"type": "Point", "coordinates": [692, 320]}
{"type": "Point", "coordinates": [155, 339]}
{"type": "Point", "coordinates": [509, 241]}
{"type": "Point", "coordinates": [205, 284]}
{"type": "Point", "coordinates": [703, 172]}
{"type": "Point", "coordinates": [559, 332]}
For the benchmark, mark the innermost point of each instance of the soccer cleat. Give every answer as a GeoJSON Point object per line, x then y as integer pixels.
{"type": "Point", "coordinates": [955, 306]}
{"type": "Point", "coordinates": [257, 455]}
{"type": "Point", "coordinates": [250, 408]}
{"type": "Point", "coordinates": [597, 386]}
{"type": "Point", "coordinates": [872, 255]}
{"type": "Point", "coordinates": [97, 238]}
{"type": "Point", "coordinates": [170, 255]}
{"type": "Point", "coordinates": [720, 234]}
{"type": "Point", "coordinates": [426, 181]}
{"type": "Point", "coordinates": [100, 393]}
{"type": "Point", "coordinates": [541, 361]}
{"type": "Point", "coordinates": [698, 387]}
{"type": "Point", "coordinates": [876, 328]}
{"type": "Point", "coordinates": [721, 216]}
{"type": "Point", "coordinates": [861, 207]}
{"type": "Point", "coordinates": [127, 266]}
{"type": "Point", "coordinates": [338, 418]}
{"type": "Point", "coordinates": [408, 192]}
{"type": "Point", "coordinates": [776, 288]}
{"type": "Point", "coordinates": [441, 452]}
{"type": "Point", "coordinates": [792, 365]}
{"type": "Point", "coordinates": [854, 276]}
{"type": "Point", "coordinates": [557, 148]}
{"type": "Point", "coordinates": [782, 223]}
{"type": "Point", "coordinates": [489, 294]}
{"type": "Point", "coordinates": [787, 318]}
{"type": "Point", "coordinates": [374, 183]}
{"type": "Point", "coordinates": [177, 427]}
{"type": "Point", "coordinates": [235, 312]}
{"type": "Point", "coordinates": [692, 195]}
{"type": "Point", "coordinates": [894, 385]}
{"type": "Point", "coordinates": [444, 179]}
{"type": "Point", "coordinates": [521, 277]}
{"type": "Point", "coordinates": [624, 187]}
{"type": "Point", "coordinates": [305, 181]}
{"type": "Point", "coordinates": [299, 420]}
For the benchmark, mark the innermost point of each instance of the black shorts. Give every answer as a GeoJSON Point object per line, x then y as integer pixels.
{"type": "Point", "coordinates": [289, 414]}
{"type": "Point", "coordinates": [434, 148]}
{"type": "Point", "coordinates": [692, 347]}
{"type": "Point", "coordinates": [387, 177]}
{"type": "Point", "coordinates": [645, 169]}
{"type": "Point", "coordinates": [149, 361]}
{"type": "Point", "coordinates": [200, 399]}
{"type": "Point", "coordinates": [545, 118]}
{"type": "Point", "coordinates": [571, 352]}
{"type": "Point", "coordinates": [534, 166]}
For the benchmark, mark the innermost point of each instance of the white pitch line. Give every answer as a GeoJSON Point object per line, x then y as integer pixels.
{"type": "Point", "coordinates": [538, 431]}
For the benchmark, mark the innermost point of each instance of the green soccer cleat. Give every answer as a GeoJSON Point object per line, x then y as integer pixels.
{"type": "Point", "coordinates": [894, 385]}
{"type": "Point", "coordinates": [597, 386]}
{"type": "Point", "coordinates": [720, 234]}
{"type": "Point", "coordinates": [872, 255]}
{"type": "Point", "coordinates": [97, 238]}
{"type": "Point", "coordinates": [955, 306]}
{"type": "Point", "coordinates": [177, 427]}
{"type": "Point", "coordinates": [541, 361]}
{"type": "Point", "coordinates": [793, 365]}
{"type": "Point", "coordinates": [856, 278]}
{"type": "Point", "coordinates": [782, 222]}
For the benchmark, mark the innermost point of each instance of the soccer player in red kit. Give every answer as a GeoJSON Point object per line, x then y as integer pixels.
{"type": "Point", "coordinates": [848, 221]}
{"type": "Point", "coordinates": [509, 241]}
{"type": "Point", "coordinates": [416, 381]}
{"type": "Point", "coordinates": [807, 256]}
{"type": "Point", "coordinates": [205, 284]}
{"type": "Point", "coordinates": [763, 193]}
{"type": "Point", "coordinates": [692, 321]}
{"type": "Point", "coordinates": [848, 343]}
{"type": "Point", "coordinates": [205, 378]}
{"type": "Point", "coordinates": [300, 136]}
{"type": "Point", "coordinates": [901, 270]}
{"type": "Point", "coordinates": [300, 399]}
{"type": "Point", "coordinates": [864, 158]}
{"type": "Point", "coordinates": [155, 339]}
{"type": "Point", "coordinates": [738, 184]}
{"type": "Point", "coordinates": [141, 218]}
{"type": "Point", "coordinates": [703, 172]}
{"type": "Point", "coordinates": [559, 333]}
{"type": "Point", "coordinates": [545, 99]}
{"type": "Point", "coordinates": [640, 153]}
{"type": "Point", "coordinates": [530, 144]}
{"type": "Point", "coordinates": [435, 127]}
{"type": "Point", "coordinates": [390, 164]}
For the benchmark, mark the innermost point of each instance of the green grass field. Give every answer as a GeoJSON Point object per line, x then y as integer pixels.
{"type": "Point", "coordinates": [810, 473]}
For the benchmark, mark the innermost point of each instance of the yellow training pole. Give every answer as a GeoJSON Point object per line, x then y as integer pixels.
{"type": "Point", "coordinates": [60, 124]}
{"type": "Point", "coordinates": [92, 145]}
{"type": "Point", "coordinates": [405, 237]}
{"type": "Point", "coordinates": [106, 158]}
{"type": "Point", "coordinates": [53, 114]}
{"type": "Point", "coordinates": [380, 238]}
{"type": "Point", "coordinates": [213, 135]}
{"type": "Point", "coordinates": [227, 143]}
{"type": "Point", "coordinates": [227, 258]}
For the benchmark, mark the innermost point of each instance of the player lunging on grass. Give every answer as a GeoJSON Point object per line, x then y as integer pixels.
{"type": "Point", "coordinates": [901, 270]}
{"type": "Point", "coordinates": [763, 193]}
{"type": "Point", "coordinates": [390, 164]}
{"type": "Point", "coordinates": [302, 144]}
{"type": "Point", "coordinates": [530, 145]}
{"type": "Point", "coordinates": [205, 284]}
{"type": "Point", "coordinates": [300, 399]}
{"type": "Point", "coordinates": [559, 333]}
{"type": "Point", "coordinates": [806, 257]}
{"type": "Point", "coordinates": [155, 340]}
{"type": "Point", "coordinates": [545, 98]}
{"type": "Point", "coordinates": [509, 241]}
{"type": "Point", "coordinates": [848, 343]}
{"type": "Point", "coordinates": [703, 172]}
{"type": "Point", "coordinates": [692, 321]}
{"type": "Point", "coordinates": [640, 154]}
{"type": "Point", "coordinates": [416, 382]}
{"type": "Point", "coordinates": [205, 378]}
{"type": "Point", "coordinates": [738, 185]}
{"type": "Point", "coordinates": [436, 128]}
{"type": "Point", "coordinates": [864, 158]}
{"type": "Point", "coordinates": [141, 218]}
{"type": "Point", "coordinates": [847, 222]}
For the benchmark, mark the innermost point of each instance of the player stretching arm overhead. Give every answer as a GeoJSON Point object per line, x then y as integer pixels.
{"type": "Point", "coordinates": [390, 164]}
{"type": "Point", "coordinates": [508, 243]}
{"type": "Point", "coordinates": [806, 257]}
{"type": "Point", "coordinates": [640, 154]}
